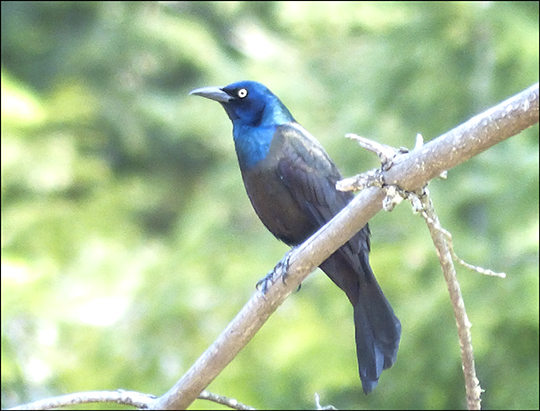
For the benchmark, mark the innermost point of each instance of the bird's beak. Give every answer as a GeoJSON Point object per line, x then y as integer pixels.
{"type": "Point", "coordinates": [213, 93]}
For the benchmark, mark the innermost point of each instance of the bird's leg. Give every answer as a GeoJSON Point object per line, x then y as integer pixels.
{"type": "Point", "coordinates": [280, 269]}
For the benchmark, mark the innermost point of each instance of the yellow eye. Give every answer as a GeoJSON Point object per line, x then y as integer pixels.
{"type": "Point", "coordinates": [242, 93]}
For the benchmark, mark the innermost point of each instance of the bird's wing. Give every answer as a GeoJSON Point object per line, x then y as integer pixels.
{"type": "Point", "coordinates": [310, 175]}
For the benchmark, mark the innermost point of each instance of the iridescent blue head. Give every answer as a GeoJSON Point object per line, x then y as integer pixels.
{"type": "Point", "coordinates": [255, 113]}
{"type": "Point", "coordinates": [248, 103]}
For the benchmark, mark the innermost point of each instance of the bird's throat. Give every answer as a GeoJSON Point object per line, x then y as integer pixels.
{"type": "Point", "coordinates": [252, 145]}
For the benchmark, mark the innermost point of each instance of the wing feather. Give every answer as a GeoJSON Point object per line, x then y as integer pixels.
{"type": "Point", "coordinates": [310, 176]}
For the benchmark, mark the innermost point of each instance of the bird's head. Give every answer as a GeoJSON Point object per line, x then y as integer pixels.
{"type": "Point", "coordinates": [248, 103]}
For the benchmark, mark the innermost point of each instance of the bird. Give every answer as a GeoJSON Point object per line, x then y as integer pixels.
{"type": "Point", "coordinates": [291, 183]}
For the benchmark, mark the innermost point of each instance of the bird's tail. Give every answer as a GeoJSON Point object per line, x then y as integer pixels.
{"type": "Point", "coordinates": [377, 331]}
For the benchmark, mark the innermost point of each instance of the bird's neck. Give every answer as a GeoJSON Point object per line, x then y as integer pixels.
{"type": "Point", "coordinates": [252, 144]}
{"type": "Point", "coordinates": [252, 140]}
{"type": "Point", "coordinates": [276, 114]}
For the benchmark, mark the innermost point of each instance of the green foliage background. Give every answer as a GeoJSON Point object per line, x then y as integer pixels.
{"type": "Point", "coordinates": [128, 242]}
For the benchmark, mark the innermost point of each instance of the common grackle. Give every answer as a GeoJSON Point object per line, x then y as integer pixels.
{"type": "Point", "coordinates": [290, 181]}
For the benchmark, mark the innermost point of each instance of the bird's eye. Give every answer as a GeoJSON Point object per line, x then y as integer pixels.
{"type": "Point", "coordinates": [242, 93]}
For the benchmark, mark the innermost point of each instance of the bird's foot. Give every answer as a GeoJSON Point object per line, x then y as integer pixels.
{"type": "Point", "coordinates": [280, 270]}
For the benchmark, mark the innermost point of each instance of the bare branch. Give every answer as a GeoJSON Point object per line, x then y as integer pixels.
{"type": "Point", "coordinates": [476, 268]}
{"type": "Point", "coordinates": [228, 402]}
{"type": "Point", "coordinates": [440, 237]}
{"type": "Point", "coordinates": [481, 132]}
{"type": "Point", "coordinates": [386, 153]}
{"type": "Point", "coordinates": [131, 398]}
{"type": "Point", "coordinates": [318, 405]}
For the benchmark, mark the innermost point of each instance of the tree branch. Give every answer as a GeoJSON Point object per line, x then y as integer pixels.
{"type": "Point", "coordinates": [131, 398]}
{"type": "Point", "coordinates": [440, 239]}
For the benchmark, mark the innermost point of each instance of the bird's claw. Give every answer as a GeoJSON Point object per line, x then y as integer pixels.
{"type": "Point", "coordinates": [280, 270]}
